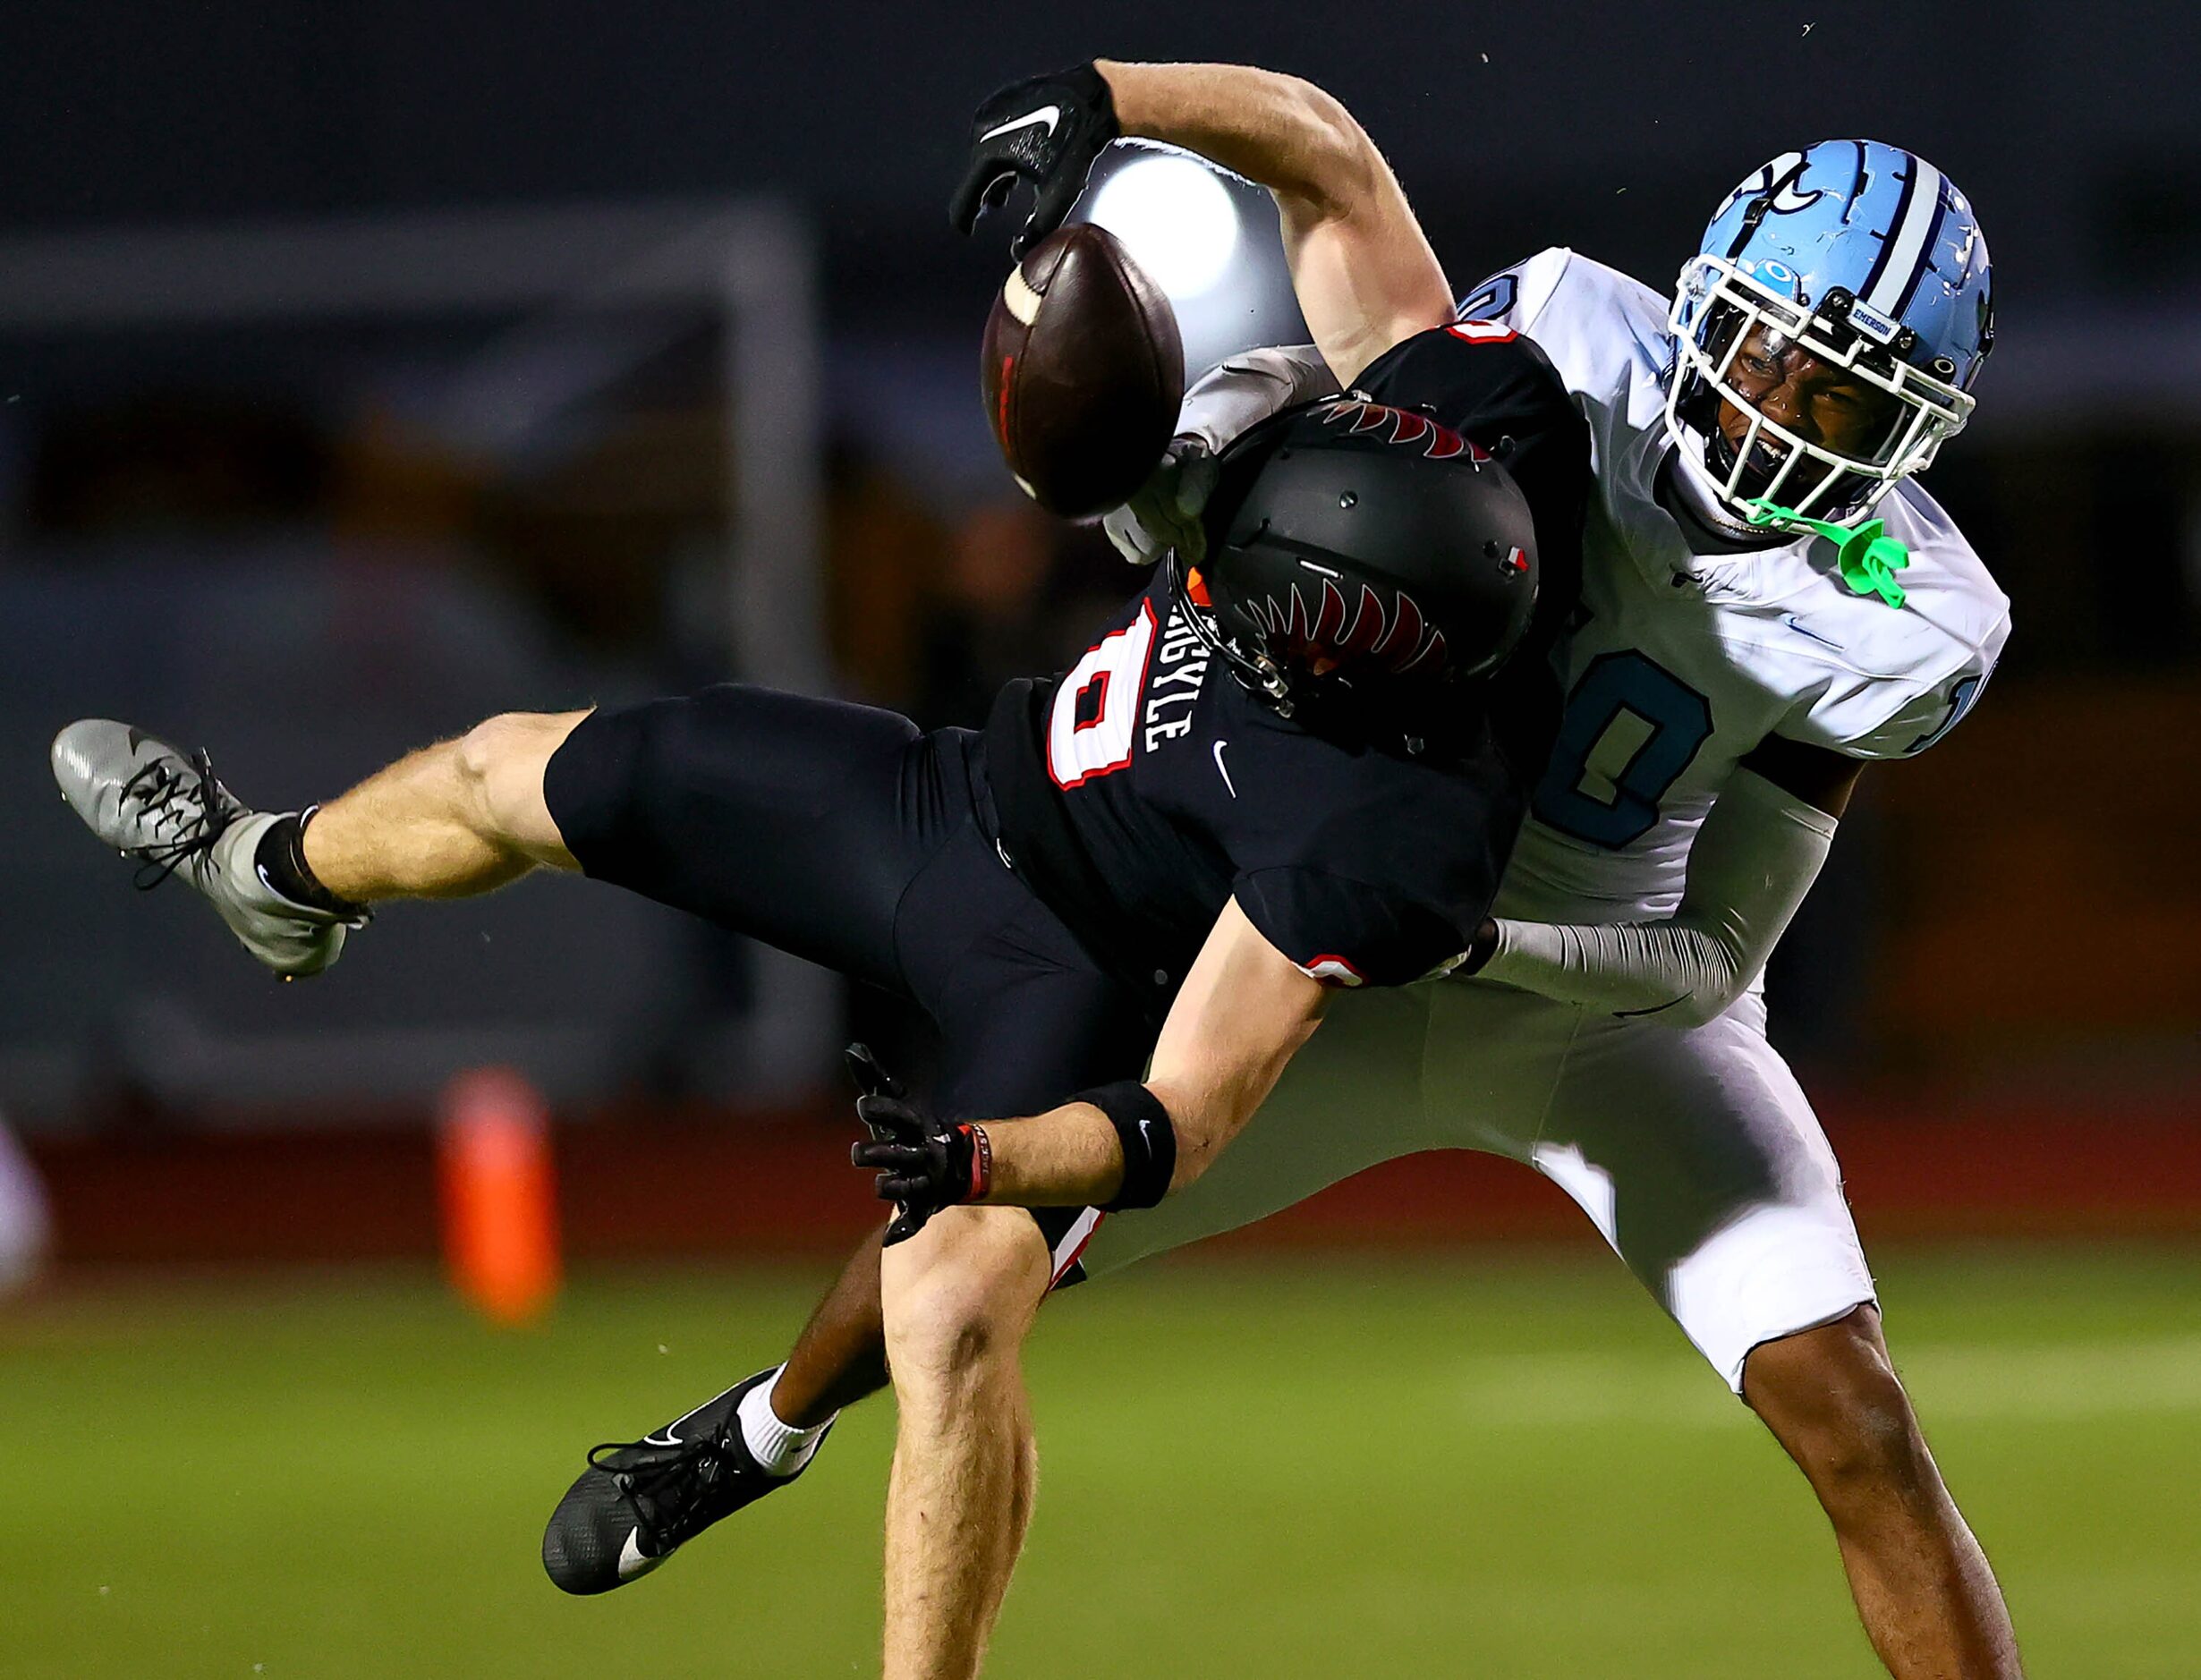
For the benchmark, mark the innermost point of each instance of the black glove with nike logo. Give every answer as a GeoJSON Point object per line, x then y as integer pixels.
{"type": "Point", "coordinates": [1047, 130]}
{"type": "Point", "coordinates": [923, 1164]}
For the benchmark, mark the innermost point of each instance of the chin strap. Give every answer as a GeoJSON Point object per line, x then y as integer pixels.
{"type": "Point", "coordinates": [1869, 557]}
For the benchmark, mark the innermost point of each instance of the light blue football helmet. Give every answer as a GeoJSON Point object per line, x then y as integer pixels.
{"type": "Point", "coordinates": [1865, 256]}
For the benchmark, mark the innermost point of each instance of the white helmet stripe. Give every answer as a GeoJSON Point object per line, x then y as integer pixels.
{"type": "Point", "coordinates": [1909, 242]}
{"type": "Point", "coordinates": [1925, 254]}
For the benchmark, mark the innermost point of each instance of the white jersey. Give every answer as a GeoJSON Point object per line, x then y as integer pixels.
{"type": "Point", "coordinates": [1681, 663]}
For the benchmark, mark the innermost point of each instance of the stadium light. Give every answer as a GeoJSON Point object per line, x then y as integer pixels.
{"type": "Point", "coordinates": [1176, 219]}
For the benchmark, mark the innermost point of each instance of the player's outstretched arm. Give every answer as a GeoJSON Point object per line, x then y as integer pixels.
{"type": "Point", "coordinates": [1363, 267]}
{"type": "Point", "coordinates": [1750, 867]}
{"type": "Point", "coordinates": [1243, 1013]}
{"type": "Point", "coordinates": [1244, 1010]}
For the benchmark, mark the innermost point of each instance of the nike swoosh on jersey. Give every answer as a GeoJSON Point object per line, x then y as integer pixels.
{"type": "Point", "coordinates": [1049, 115]}
{"type": "Point", "coordinates": [1797, 625]}
{"type": "Point", "coordinates": [1222, 771]}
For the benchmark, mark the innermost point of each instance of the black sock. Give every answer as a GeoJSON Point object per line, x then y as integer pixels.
{"type": "Point", "coordinates": [281, 857]}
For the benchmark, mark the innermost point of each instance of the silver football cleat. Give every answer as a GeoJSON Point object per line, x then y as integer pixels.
{"type": "Point", "coordinates": [169, 812]}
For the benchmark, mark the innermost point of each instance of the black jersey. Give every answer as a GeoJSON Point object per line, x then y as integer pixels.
{"type": "Point", "coordinates": [1145, 787]}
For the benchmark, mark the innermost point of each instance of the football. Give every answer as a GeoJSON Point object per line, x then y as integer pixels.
{"type": "Point", "coordinates": [1083, 372]}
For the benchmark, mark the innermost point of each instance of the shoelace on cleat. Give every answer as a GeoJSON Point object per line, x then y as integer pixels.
{"type": "Point", "coordinates": [691, 1469]}
{"type": "Point", "coordinates": [163, 791]}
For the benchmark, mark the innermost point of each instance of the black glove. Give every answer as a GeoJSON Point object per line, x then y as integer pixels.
{"type": "Point", "coordinates": [923, 1164]}
{"type": "Point", "coordinates": [1047, 130]}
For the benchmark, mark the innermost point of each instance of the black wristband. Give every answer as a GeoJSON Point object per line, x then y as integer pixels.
{"type": "Point", "coordinates": [1146, 1137]}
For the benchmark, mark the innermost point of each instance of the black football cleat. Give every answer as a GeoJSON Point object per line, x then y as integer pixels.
{"type": "Point", "coordinates": [640, 1501]}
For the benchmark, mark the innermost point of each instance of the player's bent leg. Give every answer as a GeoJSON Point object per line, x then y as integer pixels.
{"type": "Point", "coordinates": [841, 1355]}
{"type": "Point", "coordinates": [1699, 1158]}
{"type": "Point", "coordinates": [836, 831]}
{"type": "Point", "coordinates": [461, 817]}
{"type": "Point", "coordinates": [1923, 1586]}
{"type": "Point", "coordinates": [959, 1298]}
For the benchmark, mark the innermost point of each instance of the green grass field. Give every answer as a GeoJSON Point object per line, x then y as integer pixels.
{"type": "Point", "coordinates": [1489, 1466]}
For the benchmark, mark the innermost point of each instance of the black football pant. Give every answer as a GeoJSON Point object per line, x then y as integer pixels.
{"type": "Point", "coordinates": [843, 834]}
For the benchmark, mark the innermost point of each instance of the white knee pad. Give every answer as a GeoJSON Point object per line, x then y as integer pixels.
{"type": "Point", "coordinates": [1774, 1272]}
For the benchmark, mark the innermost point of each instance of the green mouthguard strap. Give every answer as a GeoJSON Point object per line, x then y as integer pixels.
{"type": "Point", "coordinates": [1869, 557]}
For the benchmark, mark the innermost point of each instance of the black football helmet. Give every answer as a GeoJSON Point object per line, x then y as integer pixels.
{"type": "Point", "coordinates": [1360, 555]}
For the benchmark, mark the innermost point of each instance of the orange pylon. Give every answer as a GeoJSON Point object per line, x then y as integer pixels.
{"type": "Point", "coordinates": [500, 1225]}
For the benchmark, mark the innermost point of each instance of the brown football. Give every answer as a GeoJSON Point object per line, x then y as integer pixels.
{"type": "Point", "coordinates": [1083, 372]}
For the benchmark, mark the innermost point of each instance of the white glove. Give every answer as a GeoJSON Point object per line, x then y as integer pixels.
{"type": "Point", "coordinates": [1165, 513]}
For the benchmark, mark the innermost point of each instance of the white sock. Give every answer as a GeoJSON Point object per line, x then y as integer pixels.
{"type": "Point", "coordinates": [781, 1448]}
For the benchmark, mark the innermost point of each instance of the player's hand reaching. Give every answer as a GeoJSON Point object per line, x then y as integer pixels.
{"type": "Point", "coordinates": [923, 1164]}
{"type": "Point", "coordinates": [1165, 513]}
{"type": "Point", "coordinates": [1047, 130]}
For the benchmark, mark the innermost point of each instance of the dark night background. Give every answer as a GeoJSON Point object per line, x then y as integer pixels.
{"type": "Point", "coordinates": [159, 450]}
